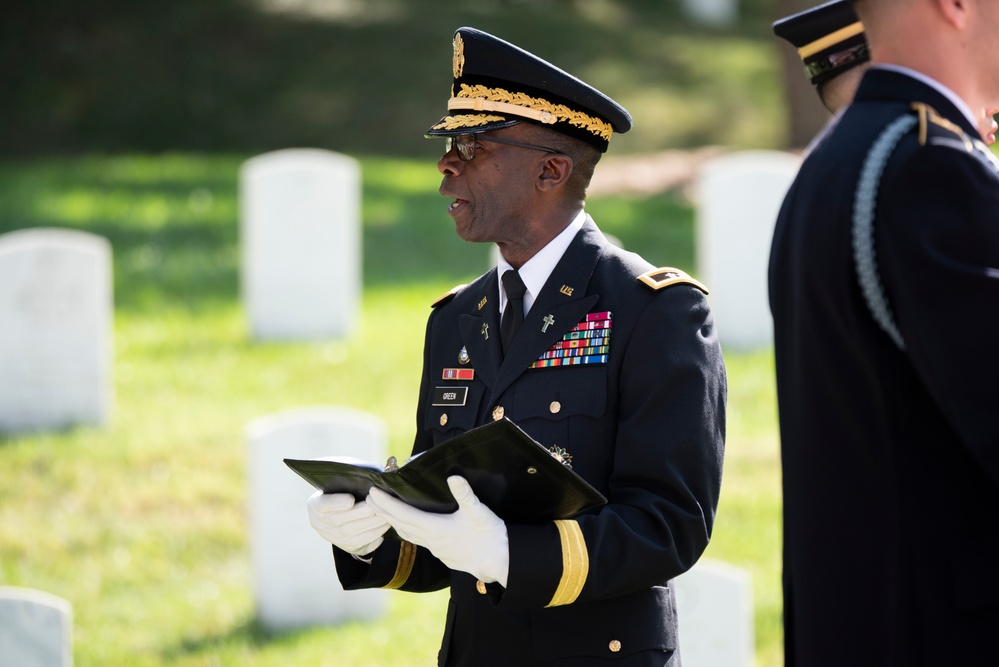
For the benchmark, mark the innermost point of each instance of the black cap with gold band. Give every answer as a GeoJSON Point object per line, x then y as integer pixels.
{"type": "Point", "coordinates": [497, 84]}
{"type": "Point", "coordinates": [830, 39]}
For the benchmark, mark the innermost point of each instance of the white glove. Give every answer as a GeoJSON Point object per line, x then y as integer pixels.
{"type": "Point", "coordinates": [350, 525]}
{"type": "Point", "coordinates": [472, 539]}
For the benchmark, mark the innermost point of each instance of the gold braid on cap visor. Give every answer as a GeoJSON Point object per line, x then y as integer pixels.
{"type": "Point", "coordinates": [482, 98]}
{"type": "Point", "coordinates": [465, 120]}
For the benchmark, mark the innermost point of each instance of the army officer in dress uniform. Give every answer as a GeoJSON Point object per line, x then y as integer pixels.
{"type": "Point", "coordinates": [638, 411]}
{"type": "Point", "coordinates": [884, 287]}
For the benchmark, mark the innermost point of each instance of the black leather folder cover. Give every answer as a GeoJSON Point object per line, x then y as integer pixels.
{"type": "Point", "coordinates": [509, 471]}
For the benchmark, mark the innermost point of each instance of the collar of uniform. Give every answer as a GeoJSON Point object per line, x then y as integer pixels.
{"type": "Point", "coordinates": [536, 270]}
{"type": "Point", "coordinates": [953, 97]}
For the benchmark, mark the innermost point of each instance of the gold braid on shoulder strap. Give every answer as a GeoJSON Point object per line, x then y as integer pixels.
{"type": "Point", "coordinates": [927, 114]}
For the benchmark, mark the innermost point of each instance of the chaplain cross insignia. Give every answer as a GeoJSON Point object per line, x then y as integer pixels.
{"type": "Point", "coordinates": [549, 320]}
{"type": "Point", "coordinates": [485, 331]}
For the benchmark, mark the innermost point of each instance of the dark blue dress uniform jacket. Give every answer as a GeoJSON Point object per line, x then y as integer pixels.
{"type": "Point", "coordinates": [891, 456]}
{"type": "Point", "coordinates": [646, 428]}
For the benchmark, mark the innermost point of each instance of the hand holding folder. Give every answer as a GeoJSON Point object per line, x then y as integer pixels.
{"type": "Point", "coordinates": [510, 472]}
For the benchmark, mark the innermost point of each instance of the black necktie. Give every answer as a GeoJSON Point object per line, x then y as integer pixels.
{"type": "Point", "coordinates": [513, 314]}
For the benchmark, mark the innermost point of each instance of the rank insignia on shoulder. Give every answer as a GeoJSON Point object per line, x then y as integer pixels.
{"type": "Point", "coordinates": [936, 130]}
{"type": "Point", "coordinates": [447, 296]}
{"type": "Point", "coordinates": [663, 277]}
{"type": "Point", "coordinates": [928, 118]}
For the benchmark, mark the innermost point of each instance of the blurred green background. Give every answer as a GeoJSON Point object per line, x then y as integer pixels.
{"type": "Point", "coordinates": [130, 119]}
{"type": "Point", "coordinates": [364, 76]}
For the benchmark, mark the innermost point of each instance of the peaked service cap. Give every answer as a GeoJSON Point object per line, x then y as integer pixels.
{"type": "Point", "coordinates": [497, 84]}
{"type": "Point", "coordinates": [830, 39]}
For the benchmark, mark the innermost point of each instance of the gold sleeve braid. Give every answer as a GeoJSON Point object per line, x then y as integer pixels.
{"type": "Point", "coordinates": [407, 555]}
{"type": "Point", "coordinates": [575, 564]}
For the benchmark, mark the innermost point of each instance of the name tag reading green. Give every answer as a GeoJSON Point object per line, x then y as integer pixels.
{"type": "Point", "coordinates": [450, 396]}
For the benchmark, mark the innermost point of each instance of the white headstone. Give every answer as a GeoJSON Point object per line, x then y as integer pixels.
{"type": "Point", "coordinates": [715, 605]}
{"type": "Point", "coordinates": [712, 12]}
{"type": "Point", "coordinates": [301, 244]}
{"type": "Point", "coordinates": [738, 198]}
{"type": "Point", "coordinates": [36, 629]}
{"type": "Point", "coordinates": [56, 317]}
{"type": "Point", "coordinates": [295, 581]}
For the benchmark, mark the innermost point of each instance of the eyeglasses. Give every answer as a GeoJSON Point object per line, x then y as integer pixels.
{"type": "Point", "coordinates": [465, 143]}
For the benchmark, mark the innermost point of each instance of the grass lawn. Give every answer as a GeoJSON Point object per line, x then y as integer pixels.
{"type": "Point", "coordinates": [142, 525]}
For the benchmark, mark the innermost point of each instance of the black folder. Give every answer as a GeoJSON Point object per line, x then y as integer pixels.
{"type": "Point", "coordinates": [509, 471]}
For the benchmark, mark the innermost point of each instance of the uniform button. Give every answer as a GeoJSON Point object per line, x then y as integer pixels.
{"type": "Point", "coordinates": [555, 407]}
{"type": "Point", "coordinates": [443, 419]}
{"type": "Point", "coordinates": [498, 413]}
{"type": "Point", "coordinates": [614, 646]}
{"type": "Point", "coordinates": [480, 586]}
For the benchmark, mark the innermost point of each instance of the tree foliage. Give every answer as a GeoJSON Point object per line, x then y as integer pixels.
{"type": "Point", "coordinates": [354, 75]}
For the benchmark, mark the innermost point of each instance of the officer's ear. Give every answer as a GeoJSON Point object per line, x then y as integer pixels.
{"type": "Point", "coordinates": [955, 12]}
{"type": "Point", "coordinates": [555, 171]}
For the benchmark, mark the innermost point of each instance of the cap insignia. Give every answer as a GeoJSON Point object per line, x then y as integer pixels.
{"type": "Point", "coordinates": [458, 63]}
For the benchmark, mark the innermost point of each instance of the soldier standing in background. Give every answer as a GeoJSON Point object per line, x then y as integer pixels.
{"type": "Point", "coordinates": [884, 280]}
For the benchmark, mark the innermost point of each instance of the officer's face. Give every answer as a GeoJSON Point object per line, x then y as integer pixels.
{"type": "Point", "coordinates": [493, 192]}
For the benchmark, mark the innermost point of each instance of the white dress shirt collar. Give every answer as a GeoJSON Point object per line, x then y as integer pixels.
{"type": "Point", "coordinates": [536, 270]}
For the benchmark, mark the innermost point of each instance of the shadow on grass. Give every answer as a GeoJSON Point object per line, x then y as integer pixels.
{"type": "Point", "coordinates": [250, 633]}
